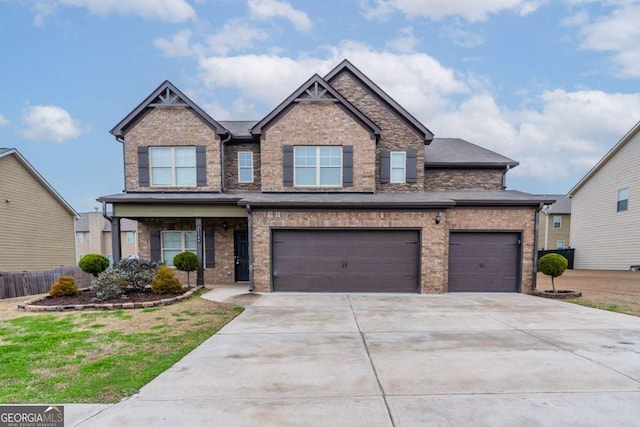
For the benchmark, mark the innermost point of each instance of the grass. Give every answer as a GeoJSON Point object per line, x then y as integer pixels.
{"type": "Point", "coordinates": [605, 306]}
{"type": "Point", "coordinates": [99, 357]}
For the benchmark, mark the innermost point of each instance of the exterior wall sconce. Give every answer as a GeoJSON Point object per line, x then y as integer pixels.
{"type": "Point", "coordinates": [225, 226]}
{"type": "Point", "coordinates": [438, 218]}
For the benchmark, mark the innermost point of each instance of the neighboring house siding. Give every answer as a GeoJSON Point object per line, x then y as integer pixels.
{"type": "Point", "coordinates": [463, 179]}
{"type": "Point", "coordinates": [231, 166]}
{"type": "Point", "coordinates": [554, 234]}
{"type": "Point", "coordinates": [171, 127]}
{"type": "Point", "coordinates": [36, 231]}
{"type": "Point", "coordinates": [396, 134]}
{"type": "Point", "coordinates": [317, 124]}
{"type": "Point", "coordinates": [603, 238]}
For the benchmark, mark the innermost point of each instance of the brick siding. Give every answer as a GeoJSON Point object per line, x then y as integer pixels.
{"type": "Point", "coordinates": [463, 179]}
{"type": "Point", "coordinates": [231, 167]}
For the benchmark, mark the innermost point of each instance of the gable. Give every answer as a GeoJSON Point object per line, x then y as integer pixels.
{"type": "Point", "coordinates": [166, 96]}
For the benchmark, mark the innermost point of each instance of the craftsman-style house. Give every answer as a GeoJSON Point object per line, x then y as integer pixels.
{"type": "Point", "coordinates": [339, 188]}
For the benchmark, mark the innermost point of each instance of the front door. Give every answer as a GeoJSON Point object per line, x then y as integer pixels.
{"type": "Point", "coordinates": [241, 255]}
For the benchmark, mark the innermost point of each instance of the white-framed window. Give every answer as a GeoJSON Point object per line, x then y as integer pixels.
{"type": "Point", "coordinates": [174, 242]}
{"type": "Point", "coordinates": [398, 167]}
{"type": "Point", "coordinates": [245, 166]}
{"type": "Point", "coordinates": [110, 258]}
{"type": "Point", "coordinates": [130, 237]}
{"type": "Point", "coordinates": [557, 221]}
{"type": "Point", "coordinates": [623, 199]}
{"type": "Point", "coordinates": [172, 166]}
{"type": "Point", "coordinates": [559, 244]}
{"type": "Point", "coordinates": [318, 166]}
{"type": "Point", "coordinates": [79, 237]}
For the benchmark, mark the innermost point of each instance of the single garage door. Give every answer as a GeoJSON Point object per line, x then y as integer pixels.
{"type": "Point", "coordinates": [484, 262]}
{"type": "Point", "coordinates": [345, 260]}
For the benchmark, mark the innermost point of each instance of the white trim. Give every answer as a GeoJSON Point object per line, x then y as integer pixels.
{"type": "Point", "coordinates": [245, 167]}
{"type": "Point", "coordinates": [317, 167]}
{"type": "Point", "coordinates": [173, 166]}
{"type": "Point", "coordinates": [404, 167]}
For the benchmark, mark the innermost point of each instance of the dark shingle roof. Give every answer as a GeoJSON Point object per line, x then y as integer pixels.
{"type": "Point", "coordinates": [562, 203]}
{"type": "Point", "coordinates": [451, 152]}
{"type": "Point", "coordinates": [82, 223]}
{"type": "Point", "coordinates": [239, 129]}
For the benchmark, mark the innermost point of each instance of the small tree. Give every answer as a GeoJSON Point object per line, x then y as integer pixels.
{"type": "Point", "coordinates": [166, 281]}
{"type": "Point", "coordinates": [64, 287]}
{"type": "Point", "coordinates": [93, 264]}
{"type": "Point", "coordinates": [139, 272]}
{"type": "Point", "coordinates": [552, 265]}
{"type": "Point", "coordinates": [186, 261]}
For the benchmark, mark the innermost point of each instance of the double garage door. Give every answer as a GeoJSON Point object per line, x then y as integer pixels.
{"type": "Point", "coordinates": [389, 261]}
{"type": "Point", "coordinates": [346, 260]}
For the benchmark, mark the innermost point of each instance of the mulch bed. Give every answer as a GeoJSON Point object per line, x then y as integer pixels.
{"type": "Point", "coordinates": [86, 297]}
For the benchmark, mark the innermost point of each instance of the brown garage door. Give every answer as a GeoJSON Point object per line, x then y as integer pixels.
{"type": "Point", "coordinates": [345, 260]}
{"type": "Point", "coordinates": [484, 262]}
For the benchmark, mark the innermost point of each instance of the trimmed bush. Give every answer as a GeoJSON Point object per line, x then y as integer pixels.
{"type": "Point", "coordinates": [93, 264]}
{"type": "Point", "coordinates": [552, 265]}
{"type": "Point", "coordinates": [64, 287]}
{"type": "Point", "coordinates": [111, 284]}
{"type": "Point", "coordinates": [138, 272]}
{"type": "Point", "coordinates": [186, 261]}
{"type": "Point", "coordinates": [166, 282]}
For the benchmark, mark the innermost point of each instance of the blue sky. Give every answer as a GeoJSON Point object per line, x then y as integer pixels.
{"type": "Point", "coordinates": [551, 84]}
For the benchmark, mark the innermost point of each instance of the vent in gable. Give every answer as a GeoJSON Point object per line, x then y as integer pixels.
{"type": "Point", "coordinates": [316, 93]}
{"type": "Point", "coordinates": [168, 98]}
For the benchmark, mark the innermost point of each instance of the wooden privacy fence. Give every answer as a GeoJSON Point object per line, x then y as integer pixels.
{"type": "Point", "coordinates": [38, 282]}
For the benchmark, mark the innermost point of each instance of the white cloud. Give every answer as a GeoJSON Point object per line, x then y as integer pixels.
{"type": "Point", "coordinates": [49, 123]}
{"type": "Point", "coordinates": [3, 121]}
{"type": "Point", "coordinates": [406, 42]}
{"type": "Point", "coordinates": [268, 9]}
{"type": "Point", "coordinates": [470, 10]}
{"type": "Point", "coordinates": [236, 35]}
{"type": "Point", "coordinates": [460, 36]}
{"type": "Point", "coordinates": [179, 45]}
{"type": "Point", "coordinates": [162, 10]}
{"type": "Point", "coordinates": [42, 9]}
{"type": "Point", "coordinates": [617, 33]}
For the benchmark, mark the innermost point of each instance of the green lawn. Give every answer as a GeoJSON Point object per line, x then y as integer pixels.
{"type": "Point", "coordinates": [104, 356]}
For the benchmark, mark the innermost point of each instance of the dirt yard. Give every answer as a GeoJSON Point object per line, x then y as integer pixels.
{"type": "Point", "coordinates": [611, 290]}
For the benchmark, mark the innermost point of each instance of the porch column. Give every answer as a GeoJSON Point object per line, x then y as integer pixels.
{"type": "Point", "coordinates": [116, 250]}
{"type": "Point", "coordinates": [200, 252]}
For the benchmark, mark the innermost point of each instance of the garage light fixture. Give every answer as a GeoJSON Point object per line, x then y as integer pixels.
{"type": "Point", "coordinates": [438, 218]}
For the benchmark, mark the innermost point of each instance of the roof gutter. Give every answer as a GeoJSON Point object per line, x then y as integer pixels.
{"type": "Point", "coordinates": [535, 247]}
{"type": "Point", "coordinates": [250, 245]}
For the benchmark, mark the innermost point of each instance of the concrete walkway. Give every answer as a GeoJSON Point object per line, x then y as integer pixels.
{"type": "Point", "coordinates": [401, 360]}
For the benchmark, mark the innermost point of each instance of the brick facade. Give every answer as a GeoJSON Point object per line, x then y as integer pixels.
{"type": "Point", "coordinates": [171, 127]}
{"type": "Point", "coordinates": [317, 123]}
{"type": "Point", "coordinates": [231, 167]}
{"type": "Point", "coordinates": [463, 179]}
{"type": "Point", "coordinates": [396, 134]}
{"type": "Point", "coordinates": [223, 272]}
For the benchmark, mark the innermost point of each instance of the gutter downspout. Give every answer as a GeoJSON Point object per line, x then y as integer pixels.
{"type": "Point", "coordinates": [222, 180]}
{"type": "Point", "coordinates": [250, 244]}
{"type": "Point", "coordinates": [535, 248]}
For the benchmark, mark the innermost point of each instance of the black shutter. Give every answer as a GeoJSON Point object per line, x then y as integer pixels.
{"type": "Point", "coordinates": [209, 249]}
{"type": "Point", "coordinates": [347, 166]}
{"type": "Point", "coordinates": [201, 165]}
{"type": "Point", "coordinates": [385, 167]}
{"type": "Point", "coordinates": [287, 165]}
{"type": "Point", "coordinates": [143, 166]}
{"type": "Point", "coordinates": [154, 245]}
{"type": "Point", "coordinates": [411, 165]}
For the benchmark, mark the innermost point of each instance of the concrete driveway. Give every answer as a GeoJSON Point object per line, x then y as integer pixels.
{"type": "Point", "coordinates": [401, 360]}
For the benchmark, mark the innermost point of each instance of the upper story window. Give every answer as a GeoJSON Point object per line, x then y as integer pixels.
{"type": "Point", "coordinates": [623, 199]}
{"type": "Point", "coordinates": [557, 221]}
{"type": "Point", "coordinates": [172, 166]}
{"type": "Point", "coordinates": [245, 166]}
{"type": "Point", "coordinates": [129, 237]}
{"type": "Point", "coordinates": [174, 242]}
{"type": "Point", "coordinates": [398, 167]}
{"type": "Point", "coordinates": [79, 237]}
{"type": "Point", "coordinates": [317, 166]}
{"type": "Point", "coordinates": [559, 244]}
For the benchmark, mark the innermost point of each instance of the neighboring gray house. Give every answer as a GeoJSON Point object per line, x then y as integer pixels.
{"type": "Point", "coordinates": [605, 214]}
{"type": "Point", "coordinates": [93, 236]}
{"type": "Point", "coordinates": [554, 224]}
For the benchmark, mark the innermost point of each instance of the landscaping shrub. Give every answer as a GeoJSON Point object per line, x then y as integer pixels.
{"type": "Point", "coordinates": [166, 282]}
{"type": "Point", "coordinates": [64, 287]}
{"type": "Point", "coordinates": [93, 264]}
{"type": "Point", "coordinates": [110, 284]}
{"type": "Point", "coordinates": [138, 272]}
{"type": "Point", "coordinates": [552, 265]}
{"type": "Point", "coordinates": [186, 261]}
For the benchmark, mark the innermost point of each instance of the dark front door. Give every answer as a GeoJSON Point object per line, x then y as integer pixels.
{"type": "Point", "coordinates": [241, 255]}
{"type": "Point", "coordinates": [345, 260]}
{"type": "Point", "coordinates": [484, 262]}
